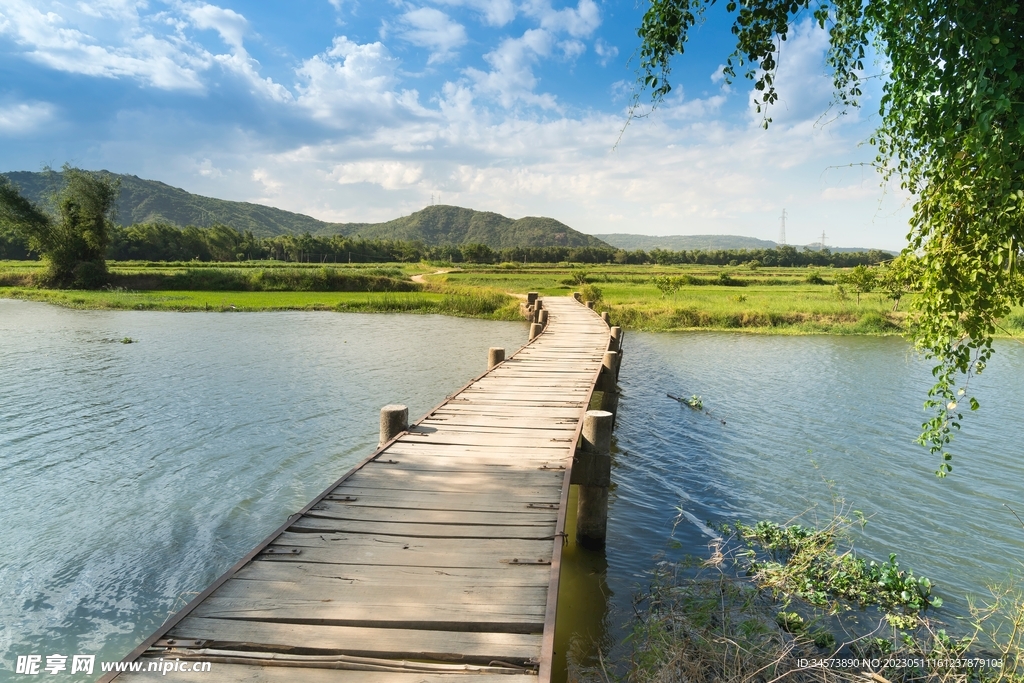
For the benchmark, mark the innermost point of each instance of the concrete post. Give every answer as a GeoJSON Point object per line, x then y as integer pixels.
{"type": "Point", "coordinates": [616, 333]}
{"type": "Point", "coordinates": [605, 318]}
{"type": "Point", "coordinates": [535, 329]}
{"type": "Point", "coordinates": [495, 355]}
{"type": "Point", "coordinates": [590, 304]}
{"type": "Point", "coordinates": [531, 297]}
{"type": "Point", "coordinates": [543, 319]}
{"type": "Point", "coordinates": [592, 470]}
{"type": "Point", "coordinates": [394, 419]}
{"type": "Point", "coordinates": [577, 296]}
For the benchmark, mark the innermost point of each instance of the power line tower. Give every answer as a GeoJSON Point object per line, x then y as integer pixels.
{"type": "Point", "coordinates": [782, 227]}
{"type": "Point", "coordinates": [823, 240]}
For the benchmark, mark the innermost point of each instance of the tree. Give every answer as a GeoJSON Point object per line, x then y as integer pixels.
{"type": "Point", "coordinates": [73, 239]}
{"type": "Point", "coordinates": [952, 130]}
{"type": "Point", "coordinates": [861, 278]}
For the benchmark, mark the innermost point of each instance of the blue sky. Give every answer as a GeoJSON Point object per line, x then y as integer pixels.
{"type": "Point", "coordinates": [362, 111]}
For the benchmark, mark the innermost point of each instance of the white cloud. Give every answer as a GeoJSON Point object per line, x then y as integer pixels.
{"type": "Point", "coordinates": [511, 78]}
{"type": "Point", "coordinates": [432, 29]}
{"type": "Point", "coordinates": [390, 175]}
{"type": "Point", "coordinates": [572, 49]}
{"type": "Point", "coordinates": [804, 88]}
{"type": "Point", "coordinates": [605, 52]}
{"type": "Point", "coordinates": [579, 22]}
{"type": "Point", "coordinates": [130, 50]}
{"type": "Point", "coordinates": [353, 86]}
{"type": "Point", "coordinates": [229, 24]}
{"type": "Point", "coordinates": [232, 26]}
{"type": "Point", "coordinates": [494, 12]}
{"type": "Point", "coordinates": [24, 117]}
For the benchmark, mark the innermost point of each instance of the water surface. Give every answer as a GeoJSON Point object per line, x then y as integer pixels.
{"type": "Point", "coordinates": [132, 475]}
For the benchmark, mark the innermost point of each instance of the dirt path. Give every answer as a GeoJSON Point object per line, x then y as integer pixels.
{"type": "Point", "coordinates": [419, 278]}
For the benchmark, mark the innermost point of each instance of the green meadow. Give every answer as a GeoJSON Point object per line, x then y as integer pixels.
{"type": "Point", "coordinates": [640, 297]}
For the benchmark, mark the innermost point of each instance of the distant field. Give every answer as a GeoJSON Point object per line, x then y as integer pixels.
{"type": "Point", "coordinates": [764, 300]}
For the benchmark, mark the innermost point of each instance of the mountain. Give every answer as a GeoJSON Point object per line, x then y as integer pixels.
{"type": "Point", "coordinates": [684, 242]}
{"type": "Point", "coordinates": [150, 201]}
{"type": "Point", "coordinates": [706, 243]}
{"type": "Point", "coordinates": [454, 225]}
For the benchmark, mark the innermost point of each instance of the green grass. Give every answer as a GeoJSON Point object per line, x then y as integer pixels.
{"type": "Point", "coordinates": [764, 300]}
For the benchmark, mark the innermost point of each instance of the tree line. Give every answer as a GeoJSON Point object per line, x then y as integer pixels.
{"type": "Point", "coordinates": [221, 243]}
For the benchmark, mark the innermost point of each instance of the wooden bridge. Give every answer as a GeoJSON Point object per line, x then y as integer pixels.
{"type": "Point", "coordinates": [436, 558]}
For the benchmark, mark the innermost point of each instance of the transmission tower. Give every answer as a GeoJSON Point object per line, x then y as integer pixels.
{"type": "Point", "coordinates": [782, 227]}
{"type": "Point", "coordinates": [822, 240]}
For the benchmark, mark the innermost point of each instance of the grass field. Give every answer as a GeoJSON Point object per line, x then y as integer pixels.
{"type": "Point", "coordinates": [656, 298]}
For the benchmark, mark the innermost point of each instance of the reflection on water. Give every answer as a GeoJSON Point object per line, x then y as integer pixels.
{"type": "Point", "coordinates": [132, 475]}
{"type": "Point", "coordinates": [789, 415]}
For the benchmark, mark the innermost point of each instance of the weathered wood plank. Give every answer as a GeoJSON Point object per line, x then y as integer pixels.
{"type": "Point", "coordinates": [361, 641]}
{"type": "Point", "coordinates": [314, 575]}
{"type": "Point", "coordinates": [251, 673]}
{"type": "Point", "coordinates": [354, 511]}
{"type": "Point", "coordinates": [315, 522]}
{"type": "Point", "coordinates": [366, 612]}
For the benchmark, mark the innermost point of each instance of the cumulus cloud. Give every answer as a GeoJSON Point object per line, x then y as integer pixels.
{"type": "Point", "coordinates": [390, 175]}
{"type": "Point", "coordinates": [580, 21]}
{"type": "Point", "coordinates": [511, 79]}
{"type": "Point", "coordinates": [354, 86]}
{"type": "Point", "coordinates": [24, 117]}
{"type": "Point", "coordinates": [434, 30]}
{"type": "Point", "coordinates": [49, 34]}
{"type": "Point", "coordinates": [494, 12]}
{"type": "Point", "coordinates": [605, 52]}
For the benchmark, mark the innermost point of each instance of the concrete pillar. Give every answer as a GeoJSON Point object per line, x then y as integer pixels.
{"type": "Point", "coordinates": [605, 318]}
{"type": "Point", "coordinates": [535, 329]}
{"type": "Point", "coordinates": [577, 296]}
{"type": "Point", "coordinates": [616, 333]}
{"type": "Point", "coordinates": [394, 419]}
{"type": "Point", "coordinates": [592, 470]}
{"type": "Point", "coordinates": [609, 363]}
{"type": "Point", "coordinates": [495, 355]}
{"type": "Point", "coordinates": [543, 318]}
{"type": "Point", "coordinates": [531, 297]}
{"type": "Point", "coordinates": [590, 304]}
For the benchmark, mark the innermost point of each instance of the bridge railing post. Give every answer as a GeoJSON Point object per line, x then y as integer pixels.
{"type": "Point", "coordinates": [592, 471]}
{"type": "Point", "coordinates": [543, 317]}
{"type": "Point", "coordinates": [606, 318]}
{"type": "Point", "coordinates": [535, 329]}
{"type": "Point", "coordinates": [394, 419]}
{"type": "Point", "coordinates": [531, 298]}
{"type": "Point", "coordinates": [495, 355]}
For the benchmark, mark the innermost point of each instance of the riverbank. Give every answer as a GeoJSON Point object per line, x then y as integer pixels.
{"type": "Point", "coordinates": [780, 301]}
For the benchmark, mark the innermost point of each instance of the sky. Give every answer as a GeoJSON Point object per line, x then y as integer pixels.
{"type": "Point", "coordinates": [363, 111]}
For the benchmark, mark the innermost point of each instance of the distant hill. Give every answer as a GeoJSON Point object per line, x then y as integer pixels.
{"type": "Point", "coordinates": [441, 224]}
{"type": "Point", "coordinates": [705, 242]}
{"type": "Point", "coordinates": [684, 242]}
{"type": "Point", "coordinates": [150, 201]}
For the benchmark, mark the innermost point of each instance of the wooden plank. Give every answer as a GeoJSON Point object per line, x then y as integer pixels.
{"type": "Point", "coordinates": [446, 500]}
{"type": "Point", "coordinates": [345, 592]}
{"type": "Point", "coordinates": [360, 641]}
{"type": "Point", "coordinates": [251, 673]}
{"type": "Point", "coordinates": [479, 483]}
{"type": "Point", "coordinates": [314, 575]}
{"type": "Point", "coordinates": [309, 523]}
{"type": "Point", "coordinates": [354, 511]}
{"type": "Point", "coordinates": [366, 612]}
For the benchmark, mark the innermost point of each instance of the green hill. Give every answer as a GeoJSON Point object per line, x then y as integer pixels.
{"type": "Point", "coordinates": [444, 225]}
{"type": "Point", "coordinates": [150, 201]}
{"type": "Point", "coordinates": [684, 242]}
{"type": "Point", "coordinates": [706, 243]}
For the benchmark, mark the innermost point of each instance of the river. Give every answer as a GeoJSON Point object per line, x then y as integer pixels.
{"type": "Point", "coordinates": [134, 474]}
